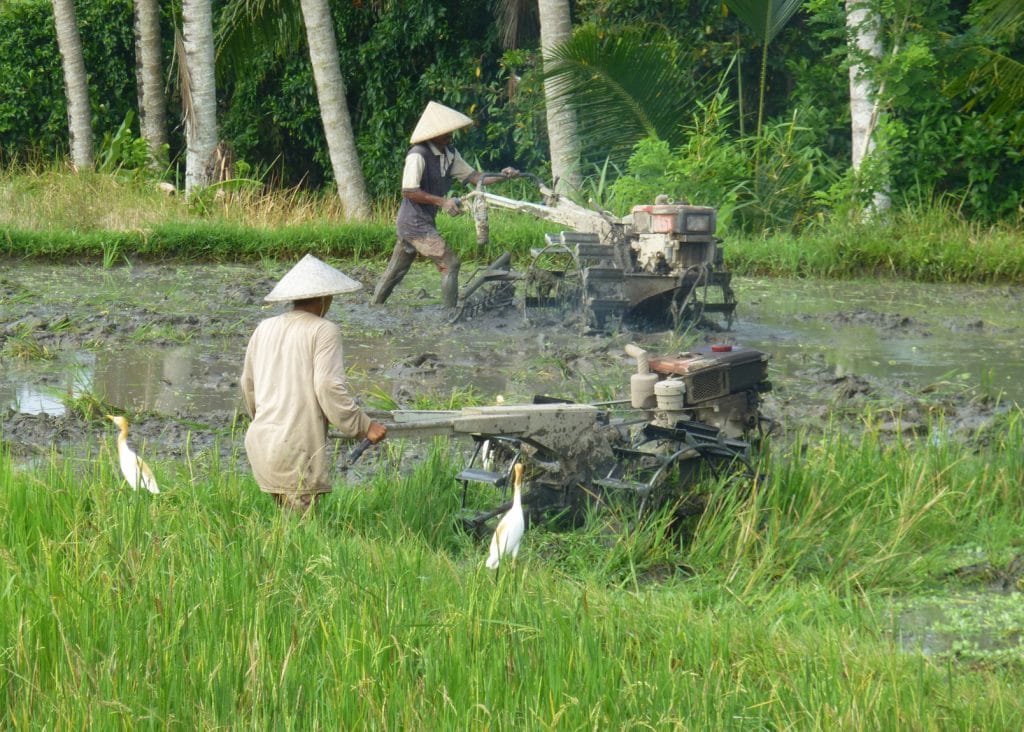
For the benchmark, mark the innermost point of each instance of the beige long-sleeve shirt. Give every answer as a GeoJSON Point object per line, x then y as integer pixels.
{"type": "Point", "coordinates": [294, 384]}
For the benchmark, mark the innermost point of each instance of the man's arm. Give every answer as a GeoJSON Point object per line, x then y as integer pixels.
{"type": "Point", "coordinates": [412, 175]}
{"type": "Point", "coordinates": [506, 173]}
{"type": "Point", "coordinates": [331, 387]}
{"type": "Point", "coordinates": [249, 382]}
{"type": "Point", "coordinates": [418, 195]}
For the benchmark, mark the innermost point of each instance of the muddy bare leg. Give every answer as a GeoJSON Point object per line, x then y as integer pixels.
{"type": "Point", "coordinates": [449, 268]}
{"type": "Point", "coordinates": [401, 259]}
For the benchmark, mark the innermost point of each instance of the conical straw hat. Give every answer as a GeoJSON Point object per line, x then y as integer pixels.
{"type": "Point", "coordinates": [436, 120]}
{"type": "Point", "coordinates": [312, 278]}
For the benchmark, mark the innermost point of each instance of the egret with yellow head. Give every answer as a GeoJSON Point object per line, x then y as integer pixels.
{"type": "Point", "coordinates": [133, 468]}
{"type": "Point", "coordinates": [509, 533]}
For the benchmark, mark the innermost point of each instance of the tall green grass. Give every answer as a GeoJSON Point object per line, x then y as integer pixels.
{"type": "Point", "coordinates": [928, 243]}
{"type": "Point", "coordinates": [874, 512]}
{"type": "Point", "coordinates": [56, 215]}
{"type": "Point", "coordinates": [53, 214]}
{"type": "Point", "coordinates": [204, 607]}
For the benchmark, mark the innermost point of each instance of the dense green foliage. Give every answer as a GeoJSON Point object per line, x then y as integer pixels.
{"type": "Point", "coordinates": [935, 142]}
{"type": "Point", "coordinates": [689, 74]}
{"type": "Point", "coordinates": [204, 607]}
{"type": "Point", "coordinates": [394, 56]}
{"type": "Point", "coordinates": [33, 110]}
{"type": "Point", "coordinates": [934, 145]}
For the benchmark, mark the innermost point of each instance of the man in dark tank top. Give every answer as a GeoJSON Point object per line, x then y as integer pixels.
{"type": "Point", "coordinates": [431, 165]}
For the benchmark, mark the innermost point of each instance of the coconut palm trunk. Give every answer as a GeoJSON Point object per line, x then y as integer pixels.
{"type": "Point", "coordinates": [863, 24]}
{"type": "Point", "coordinates": [330, 92]}
{"type": "Point", "coordinates": [199, 96]}
{"type": "Point", "coordinates": [563, 135]}
{"type": "Point", "coordinates": [76, 85]}
{"type": "Point", "coordinates": [150, 79]}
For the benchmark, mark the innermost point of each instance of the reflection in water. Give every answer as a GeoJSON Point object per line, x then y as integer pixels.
{"type": "Point", "coordinates": [167, 381]}
{"type": "Point", "coordinates": [30, 400]}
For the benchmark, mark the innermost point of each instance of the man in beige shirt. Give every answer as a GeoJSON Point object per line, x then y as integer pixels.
{"type": "Point", "coordinates": [294, 385]}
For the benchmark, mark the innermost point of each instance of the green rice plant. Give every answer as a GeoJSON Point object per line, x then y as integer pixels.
{"type": "Point", "coordinates": [376, 397]}
{"type": "Point", "coordinates": [207, 607]}
{"type": "Point", "coordinates": [86, 405]}
{"type": "Point", "coordinates": [156, 332]}
{"type": "Point", "coordinates": [859, 510]}
{"type": "Point", "coordinates": [24, 345]}
{"type": "Point", "coordinates": [111, 253]}
{"type": "Point", "coordinates": [61, 324]}
{"type": "Point", "coordinates": [457, 398]}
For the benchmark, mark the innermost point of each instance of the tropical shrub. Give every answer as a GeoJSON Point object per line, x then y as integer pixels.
{"type": "Point", "coordinates": [756, 183]}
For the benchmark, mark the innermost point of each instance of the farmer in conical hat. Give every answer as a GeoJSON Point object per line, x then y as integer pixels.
{"type": "Point", "coordinates": [294, 385]}
{"type": "Point", "coordinates": [430, 166]}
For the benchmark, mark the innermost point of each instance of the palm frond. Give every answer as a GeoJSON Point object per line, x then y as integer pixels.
{"type": "Point", "coordinates": [1000, 18]}
{"type": "Point", "coordinates": [623, 88]}
{"type": "Point", "coordinates": [249, 27]}
{"type": "Point", "coordinates": [994, 81]}
{"type": "Point", "coordinates": [997, 78]}
{"type": "Point", "coordinates": [764, 18]}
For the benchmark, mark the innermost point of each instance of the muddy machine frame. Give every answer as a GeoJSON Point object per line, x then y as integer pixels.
{"type": "Point", "coordinates": [660, 264]}
{"type": "Point", "coordinates": [689, 421]}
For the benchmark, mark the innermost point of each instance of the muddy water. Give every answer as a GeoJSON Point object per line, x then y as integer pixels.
{"type": "Point", "coordinates": [975, 626]}
{"type": "Point", "coordinates": [921, 334]}
{"type": "Point", "coordinates": [165, 343]}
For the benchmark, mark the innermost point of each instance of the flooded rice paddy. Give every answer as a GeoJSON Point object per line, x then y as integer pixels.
{"type": "Point", "coordinates": [157, 339]}
{"type": "Point", "coordinates": [165, 342]}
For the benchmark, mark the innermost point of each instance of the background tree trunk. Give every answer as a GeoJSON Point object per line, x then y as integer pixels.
{"type": "Point", "coordinates": [563, 136]}
{"type": "Point", "coordinates": [150, 79]}
{"type": "Point", "coordinates": [863, 24]}
{"type": "Point", "coordinates": [330, 92]}
{"type": "Point", "coordinates": [76, 85]}
{"type": "Point", "coordinates": [199, 97]}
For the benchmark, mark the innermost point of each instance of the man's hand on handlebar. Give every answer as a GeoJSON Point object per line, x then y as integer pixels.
{"type": "Point", "coordinates": [376, 432]}
{"type": "Point", "coordinates": [452, 206]}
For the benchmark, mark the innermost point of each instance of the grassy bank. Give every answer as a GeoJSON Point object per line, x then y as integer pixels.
{"type": "Point", "coordinates": [56, 215]}
{"type": "Point", "coordinates": [926, 244]}
{"type": "Point", "coordinates": [203, 607]}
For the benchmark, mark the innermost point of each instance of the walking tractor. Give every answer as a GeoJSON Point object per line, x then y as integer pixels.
{"type": "Point", "coordinates": [691, 419]}
{"type": "Point", "coordinates": [660, 265]}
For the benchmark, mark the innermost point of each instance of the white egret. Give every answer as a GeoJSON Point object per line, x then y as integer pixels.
{"type": "Point", "coordinates": [511, 527]}
{"type": "Point", "coordinates": [134, 469]}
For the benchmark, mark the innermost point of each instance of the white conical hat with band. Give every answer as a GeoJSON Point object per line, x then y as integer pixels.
{"type": "Point", "coordinates": [312, 278]}
{"type": "Point", "coordinates": [437, 120]}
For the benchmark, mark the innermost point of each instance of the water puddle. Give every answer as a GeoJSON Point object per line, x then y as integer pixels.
{"type": "Point", "coordinates": [979, 626]}
{"type": "Point", "coordinates": [917, 333]}
{"type": "Point", "coordinates": [168, 380]}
